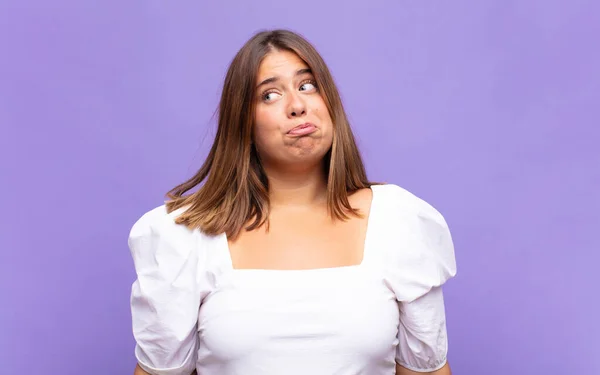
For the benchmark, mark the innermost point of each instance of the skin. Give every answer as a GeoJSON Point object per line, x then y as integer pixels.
{"type": "Point", "coordinates": [443, 371]}
{"type": "Point", "coordinates": [301, 235]}
{"type": "Point", "coordinates": [292, 164]}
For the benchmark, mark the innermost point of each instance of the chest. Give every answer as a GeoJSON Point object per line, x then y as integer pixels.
{"type": "Point", "coordinates": [301, 241]}
{"type": "Point", "coordinates": [312, 312]}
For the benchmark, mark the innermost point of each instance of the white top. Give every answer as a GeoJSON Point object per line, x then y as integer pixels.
{"type": "Point", "coordinates": [192, 310]}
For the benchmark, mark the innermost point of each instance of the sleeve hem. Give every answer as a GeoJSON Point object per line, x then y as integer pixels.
{"type": "Point", "coordinates": [183, 369]}
{"type": "Point", "coordinates": [418, 369]}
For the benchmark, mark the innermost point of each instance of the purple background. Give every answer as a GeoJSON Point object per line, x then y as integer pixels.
{"type": "Point", "coordinates": [488, 110]}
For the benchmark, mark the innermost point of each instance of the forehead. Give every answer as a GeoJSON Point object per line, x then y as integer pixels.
{"type": "Point", "coordinates": [280, 64]}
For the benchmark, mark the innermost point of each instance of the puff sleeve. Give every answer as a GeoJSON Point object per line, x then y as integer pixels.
{"type": "Point", "coordinates": [421, 259]}
{"type": "Point", "coordinates": [166, 295]}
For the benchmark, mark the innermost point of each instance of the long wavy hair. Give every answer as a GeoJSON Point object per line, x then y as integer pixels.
{"type": "Point", "coordinates": [235, 195]}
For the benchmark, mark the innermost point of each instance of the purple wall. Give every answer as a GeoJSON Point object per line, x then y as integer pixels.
{"type": "Point", "coordinates": [490, 111]}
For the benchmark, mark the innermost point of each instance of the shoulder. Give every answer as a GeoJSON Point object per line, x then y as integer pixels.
{"type": "Point", "coordinates": [156, 232]}
{"type": "Point", "coordinates": [419, 251]}
{"type": "Point", "coordinates": [156, 219]}
{"type": "Point", "coordinates": [399, 201]}
{"type": "Point", "coordinates": [361, 198]}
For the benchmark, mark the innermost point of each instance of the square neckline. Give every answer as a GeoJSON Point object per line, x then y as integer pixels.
{"type": "Point", "coordinates": [360, 265]}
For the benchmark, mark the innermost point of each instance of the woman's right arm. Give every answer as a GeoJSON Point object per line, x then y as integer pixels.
{"type": "Point", "coordinates": [138, 371]}
{"type": "Point", "coordinates": [166, 295]}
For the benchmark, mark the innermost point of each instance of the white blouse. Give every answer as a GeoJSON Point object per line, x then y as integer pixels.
{"type": "Point", "coordinates": [192, 310]}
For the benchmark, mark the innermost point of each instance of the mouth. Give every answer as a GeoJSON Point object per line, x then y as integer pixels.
{"type": "Point", "coordinates": [302, 129]}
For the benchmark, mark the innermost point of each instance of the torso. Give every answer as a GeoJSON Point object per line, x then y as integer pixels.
{"type": "Point", "coordinates": [308, 297]}
{"type": "Point", "coordinates": [305, 239]}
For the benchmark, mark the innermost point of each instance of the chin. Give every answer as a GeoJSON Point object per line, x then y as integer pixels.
{"type": "Point", "coordinates": [312, 156]}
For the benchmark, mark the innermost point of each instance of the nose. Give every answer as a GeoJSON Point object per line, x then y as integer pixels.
{"type": "Point", "coordinates": [296, 107]}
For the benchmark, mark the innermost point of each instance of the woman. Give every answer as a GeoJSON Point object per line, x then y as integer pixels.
{"type": "Point", "coordinates": [287, 260]}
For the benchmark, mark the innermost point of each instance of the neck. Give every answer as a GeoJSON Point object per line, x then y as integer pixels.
{"type": "Point", "coordinates": [297, 187]}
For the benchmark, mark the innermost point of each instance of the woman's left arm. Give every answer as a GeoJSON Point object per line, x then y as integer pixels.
{"type": "Point", "coordinates": [422, 261]}
{"type": "Point", "coordinates": [404, 371]}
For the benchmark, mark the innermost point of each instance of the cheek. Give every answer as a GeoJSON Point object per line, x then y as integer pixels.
{"type": "Point", "coordinates": [324, 117]}
{"type": "Point", "coordinates": [265, 119]}
{"type": "Point", "coordinates": [265, 126]}
{"type": "Point", "coordinates": [322, 114]}
{"type": "Point", "coordinates": [321, 109]}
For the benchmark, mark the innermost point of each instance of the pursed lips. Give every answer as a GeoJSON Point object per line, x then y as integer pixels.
{"type": "Point", "coordinates": [302, 129]}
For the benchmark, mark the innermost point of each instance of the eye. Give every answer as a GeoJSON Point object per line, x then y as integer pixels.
{"type": "Point", "coordinates": [269, 96]}
{"type": "Point", "coordinates": [308, 86]}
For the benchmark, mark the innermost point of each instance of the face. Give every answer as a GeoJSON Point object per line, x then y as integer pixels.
{"type": "Point", "coordinates": [292, 125]}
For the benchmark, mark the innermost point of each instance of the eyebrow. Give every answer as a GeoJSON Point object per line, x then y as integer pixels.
{"type": "Point", "coordinates": [275, 79]}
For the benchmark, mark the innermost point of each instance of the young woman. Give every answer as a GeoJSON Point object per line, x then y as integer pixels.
{"type": "Point", "coordinates": [286, 259]}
